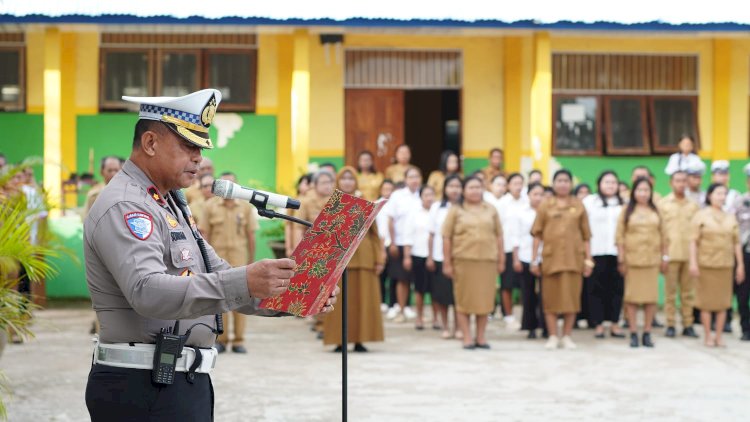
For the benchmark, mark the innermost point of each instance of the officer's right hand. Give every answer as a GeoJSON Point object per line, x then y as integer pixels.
{"type": "Point", "coordinates": [269, 277]}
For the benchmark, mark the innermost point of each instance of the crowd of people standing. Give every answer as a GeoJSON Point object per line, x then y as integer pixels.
{"type": "Point", "coordinates": [476, 244]}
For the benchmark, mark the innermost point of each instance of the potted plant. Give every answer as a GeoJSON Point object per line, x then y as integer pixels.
{"type": "Point", "coordinates": [17, 251]}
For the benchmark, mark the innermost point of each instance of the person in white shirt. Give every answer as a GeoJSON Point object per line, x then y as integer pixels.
{"type": "Point", "coordinates": [399, 206]}
{"type": "Point", "coordinates": [720, 174]}
{"type": "Point", "coordinates": [606, 285]}
{"type": "Point", "coordinates": [508, 207]}
{"type": "Point", "coordinates": [685, 159]}
{"type": "Point", "coordinates": [523, 241]}
{"type": "Point", "coordinates": [416, 250]}
{"type": "Point", "coordinates": [498, 189]}
{"type": "Point", "coordinates": [386, 189]}
{"type": "Point", "coordinates": [442, 288]}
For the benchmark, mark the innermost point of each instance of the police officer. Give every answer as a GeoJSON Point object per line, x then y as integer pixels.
{"type": "Point", "coordinates": [695, 180]}
{"type": "Point", "coordinates": [145, 270]}
{"type": "Point", "coordinates": [742, 290]}
{"type": "Point", "coordinates": [230, 226]}
{"type": "Point", "coordinates": [720, 174]}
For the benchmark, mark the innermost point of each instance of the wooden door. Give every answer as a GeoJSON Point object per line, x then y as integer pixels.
{"type": "Point", "coordinates": [374, 122]}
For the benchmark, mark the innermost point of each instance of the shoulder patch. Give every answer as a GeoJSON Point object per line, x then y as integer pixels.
{"type": "Point", "coordinates": [140, 224]}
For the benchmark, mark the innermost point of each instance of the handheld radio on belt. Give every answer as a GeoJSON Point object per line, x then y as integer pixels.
{"type": "Point", "coordinates": [169, 342]}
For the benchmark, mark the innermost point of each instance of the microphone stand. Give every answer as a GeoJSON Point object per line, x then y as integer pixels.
{"type": "Point", "coordinates": [265, 212]}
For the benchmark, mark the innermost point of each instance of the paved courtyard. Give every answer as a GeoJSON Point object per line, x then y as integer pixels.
{"type": "Point", "coordinates": [413, 376]}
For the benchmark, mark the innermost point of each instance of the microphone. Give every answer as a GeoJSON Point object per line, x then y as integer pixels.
{"type": "Point", "coordinates": [260, 199]}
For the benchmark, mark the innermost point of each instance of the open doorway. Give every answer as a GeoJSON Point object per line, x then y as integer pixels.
{"type": "Point", "coordinates": [379, 120]}
{"type": "Point", "coordinates": [431, 125]}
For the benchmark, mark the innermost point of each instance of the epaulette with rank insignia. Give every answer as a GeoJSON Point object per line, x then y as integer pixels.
{"type": "Point", "coordinates": [155, 195]}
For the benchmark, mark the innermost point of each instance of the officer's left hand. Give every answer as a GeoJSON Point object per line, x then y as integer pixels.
{"type": "Point", "coordinates": [328, 307]}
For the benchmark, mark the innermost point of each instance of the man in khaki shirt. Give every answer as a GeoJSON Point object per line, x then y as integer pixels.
{"type": "Point", "coordinates": [198, 205]}
{"type": "Point", "coordinates": [109, 167]}
{"type": "Point", "coordinates": [494, 166]}
{"type": "Point", "coordinates": [193, 193]}
{"type": "Point", "coordinates": [676, 211]}
{"type": "Point", "coordinates": [229, 225]}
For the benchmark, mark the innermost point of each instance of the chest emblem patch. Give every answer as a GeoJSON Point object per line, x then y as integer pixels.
{"type": "Point", "coordinates": [185, 255]}
{"type": "Point", "coordinates": [140, 224]}
{"type": "Point", "coordinates": [172, 221]}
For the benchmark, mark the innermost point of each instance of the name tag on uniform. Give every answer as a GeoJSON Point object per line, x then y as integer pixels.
{"type": "Point", "coordinates": [177, 235]}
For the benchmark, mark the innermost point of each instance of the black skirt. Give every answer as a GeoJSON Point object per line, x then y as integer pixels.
{"type": "Point", "coordinates": [509, 279]}
{"type": "Point", "coordinates": [442, 286]}
{"type": "Point", "coordinates": [396, 270]}
{"type": "Point", "coordinates": [421, 277]}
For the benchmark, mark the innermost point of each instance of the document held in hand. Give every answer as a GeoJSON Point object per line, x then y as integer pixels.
{"type": "Point", "coordinates": [324, 253]}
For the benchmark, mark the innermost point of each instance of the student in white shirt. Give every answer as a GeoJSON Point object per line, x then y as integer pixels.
{"type": "Point", "coordinates": [416, 251]}
{"type": "Point", "coordinates": [606, 286]}
{"type": "Point", "coordinates": [498, 188]}
{"type": "Point", "coordinates": [685, 159]}
{"type": "Point", "coordinates": [386, 189]}
{"type": "Point", "coordinates": [523, 241]}
{"type": "Point", "coordinates": [400, 205]}
{"type": "Point", "coordinates": [509, 207]}
{"type": "Point", "coordinates": [442, 291]}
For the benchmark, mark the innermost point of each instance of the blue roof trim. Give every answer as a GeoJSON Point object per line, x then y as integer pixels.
{"type": "Point", "coordinates": [362, 22]}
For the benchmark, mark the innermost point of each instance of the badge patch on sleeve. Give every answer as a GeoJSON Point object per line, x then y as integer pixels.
{"type": "Point", "coordinates": [140, 224]}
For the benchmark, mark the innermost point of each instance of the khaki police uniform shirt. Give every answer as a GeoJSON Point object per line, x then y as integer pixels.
{"type": "Point", "coordinates": [144, 269]}
{"type": "Point", "coordinates": [225, 225]}
{"type": "Point", "coordinates": [643, 237]}
{"type": "Point", "coordinates": [564, 231]}
{"type": "Point", "coordinates": [473, 231]}
{"type": "Point", "coordinates": [716, 233]}
{"type": "Point", "coordinates": [676, 215]}
{"type": "Point", "coordinates": [369, 185]}
{"type": "Point", "coordinates": [742, 212]}
{"type": "Point", "coordinates": [396, 172]}
{"type": "Point", "coordinates": [193, 193]}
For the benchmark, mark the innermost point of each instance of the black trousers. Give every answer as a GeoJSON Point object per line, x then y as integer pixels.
{"type": "Point", "coordinates": [531, 298]}
{"type": "Point", "coordinates": [121, 394]}
{"type": "Point", "coordinates": [605, 291]}
{"type": "Point", "coordinates": [742, 291]}
{"type": "Point", "coordinates": [390, 298]}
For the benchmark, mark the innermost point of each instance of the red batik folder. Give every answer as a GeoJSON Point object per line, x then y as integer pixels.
{"type": "Point", "coordinates": [324, 253]}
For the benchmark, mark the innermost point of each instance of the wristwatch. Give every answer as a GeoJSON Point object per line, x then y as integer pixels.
{"type": "Point", "coordinates": [665, 258]}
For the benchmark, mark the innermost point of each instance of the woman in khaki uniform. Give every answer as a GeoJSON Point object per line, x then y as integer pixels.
{"type": "Point", "coordinates": [304, 184]}
{"type": "Point", "coordinates": [365, 323]}
{"type": "Point", "coordinates": [562, 226]}
{"type": "Point", "coordinates": [368, 178]}
{"type": "Point", "coordinates": [397, 171]}
{"type": "Point", "coordinates": [714, 247]}
{"type": "Point", "coordinates": [473, 257]}
{"type": "Point", "coordinates": [314, 201]}
{"type": "Point", "coordinates": [641, 252]}
{"type": "Point", "coordinates": [449, 164]}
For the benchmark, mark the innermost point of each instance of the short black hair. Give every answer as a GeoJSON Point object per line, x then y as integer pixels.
{"type": "Point", "coordinates": [328, 164]}
{"type": "Point", "coordinates": [228, 173]}
{"type": "Point", "coordinates": [143, 126]}
{"type": "Point", "coordinates": [107, 157]}
{"type": "Point", "coordinates": [494, 150]}
{"type": "Point", "coordinates": [642, 167]}
{"type": "Point", "coordinates": [539, 172]}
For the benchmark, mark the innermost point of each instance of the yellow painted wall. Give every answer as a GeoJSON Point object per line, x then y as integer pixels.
{"type": "Point", "coordinates": [517, 101]}
{"type": "Point", "coordinates": [267, 96]}
{"type": "Point", "coordinates": [35, 70]}
{"type": "Point", "coordinates": [327, 99]}
{"type": "Point", "coordinates": [541, 105]}
{"type": "Point", "coordinates": [482, 98]}
{"type": "Point", "coordinates": [703, 47]}
{"type": "Point", "coordinates": [52, 114]}
{"type": "Point", "coordinates": [87, 71]}
{"type": "Point", "coordinates": [739, 97]}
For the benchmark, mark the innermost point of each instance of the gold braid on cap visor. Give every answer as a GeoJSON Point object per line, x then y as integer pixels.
{"type": "Point", "coordinates": [185, 130]}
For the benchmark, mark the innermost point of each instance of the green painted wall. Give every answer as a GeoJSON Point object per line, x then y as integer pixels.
{"type": "Point", "coordinates": [587, 170]}
{"type": "Point", "coordinates": [23, 137]}
{"type": "Point", "coordinates": [250, 151]}
{"type": "Point", "coordinates": [338, 161]}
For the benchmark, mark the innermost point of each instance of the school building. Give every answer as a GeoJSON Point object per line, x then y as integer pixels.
{"type": "Point", "coordinates": [584, 94]}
